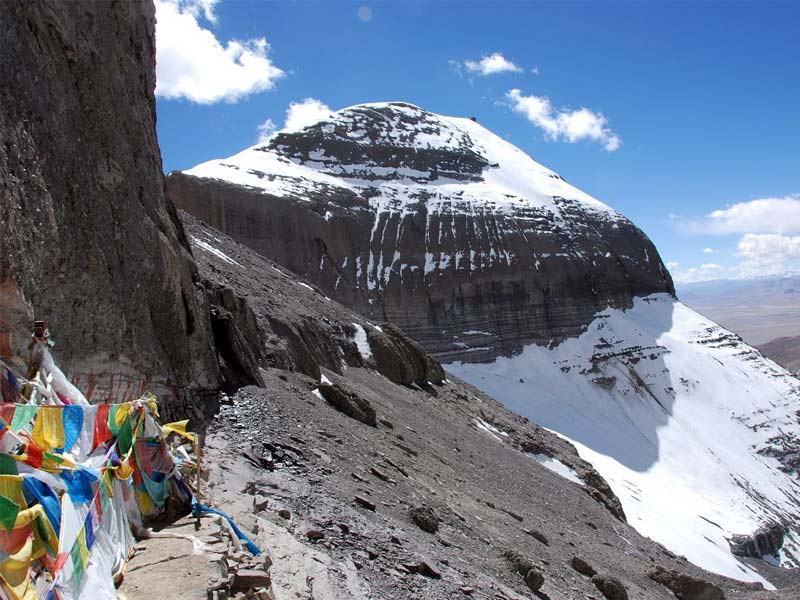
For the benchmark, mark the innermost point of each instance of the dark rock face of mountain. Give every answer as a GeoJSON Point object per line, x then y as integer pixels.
{"type": "Point", "coordinates": [88, 241]}
{"type": "Point", "coordinates": [431, 223]}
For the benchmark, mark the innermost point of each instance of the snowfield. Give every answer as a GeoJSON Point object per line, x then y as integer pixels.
{"type": "Point", "coordinates": [514, 179]}
{"type": "Point", "coordinates": [672, 410]}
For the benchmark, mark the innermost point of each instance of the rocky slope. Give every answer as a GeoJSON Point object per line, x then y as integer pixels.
{"type": "Point", "coordinates": [88, 241]}
{"type": "Point", "coordinates": [429, 222]}
{"type": "Point", "coordinates": [451, 483]}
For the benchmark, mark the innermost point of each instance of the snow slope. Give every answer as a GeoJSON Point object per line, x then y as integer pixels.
{"type": "Point", "coordinates": [676, 413]}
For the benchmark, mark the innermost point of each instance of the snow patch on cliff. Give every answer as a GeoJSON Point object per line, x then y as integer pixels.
{"type": "Point", "coordinates": [215, 251]}
{"type": "Point", "coordinates": [556, 466]}
{"type": "Point", "coordinates": [361, 342]}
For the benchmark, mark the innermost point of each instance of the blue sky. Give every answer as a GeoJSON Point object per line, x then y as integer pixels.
{"type": "Point", "coordinates": [705, 98]}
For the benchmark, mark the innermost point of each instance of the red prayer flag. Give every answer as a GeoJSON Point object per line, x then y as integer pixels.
{"type": "Point", "coordinates": [35, 456]}
{"type": "Point", "coordinates": [7, 412]}
{"type": "Point", "coordinates": [101, 432]}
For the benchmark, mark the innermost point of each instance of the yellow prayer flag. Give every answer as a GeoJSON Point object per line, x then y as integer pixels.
{"type": "Point", "coordinates": [178, 427]}
{"type": "Point", "coordinates": [122, 413]}
{"type": "Point", "coordinates": [48, 430]}
{"type": "Point", "coordinates": [14, 573]}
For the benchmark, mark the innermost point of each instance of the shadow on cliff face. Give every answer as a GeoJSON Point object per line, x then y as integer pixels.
{"type": "Point", "coordinates": [609, 390]}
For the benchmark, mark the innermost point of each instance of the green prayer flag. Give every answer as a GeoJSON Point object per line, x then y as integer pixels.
{"type": "Point", "coordinates": [112, 420]}
{"type": "Point", "coordinates": [8, 466]}
{"type": "Point", "coordinates": [23, 414]}
{"type": "Point", "coordinates": [125, 437]}
{"type": "Point", "coordinates": [8, 513]}
{"type": "Point", "coordinates": [77, 561]}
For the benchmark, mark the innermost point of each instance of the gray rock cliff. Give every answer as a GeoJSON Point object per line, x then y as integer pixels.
{"type": "Point", "coordinates": [88, 240]}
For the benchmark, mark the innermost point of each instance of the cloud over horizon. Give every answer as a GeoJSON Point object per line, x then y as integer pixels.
{"type": "Point", "coordinates": [192, 64]}
{"type": "Point", "coordinates": [764, 215]}
{"type": "Point", "coordinates": [568, 125]}
{"type": "Point", "coordinates": [705, 272]}
{"type": "Point", "coordinates": [768, 244]}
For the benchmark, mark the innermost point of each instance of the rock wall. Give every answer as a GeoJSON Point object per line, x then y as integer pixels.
{"type": "Point", "coordinates": [88, 240]}
{"type": "Point", "coordinates": [264, 317]}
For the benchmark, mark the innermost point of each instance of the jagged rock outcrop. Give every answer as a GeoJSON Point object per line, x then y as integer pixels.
{"type": "Point", "coordinates": [767, 539]}
{"type": "Point", "coordinates": [88, 241]}
{"type": "Point", "coordinates": [432, 223]}
{"type": "Point", "coordinates": [265, 317]}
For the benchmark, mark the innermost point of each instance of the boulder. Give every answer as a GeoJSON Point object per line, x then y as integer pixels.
{"type": "Point", "coordinates": [348, 402]}
{"type": "Point", "coordinates": [685, 587]}
{"type": "Point", "coordinates": [611, 587]}
{"type": "Point", "coordinates": [521, 564]}
{"type": "Point", "coordinates": [425, 518]}
{"type": "Point", "coordinates": [582, 567]}
{"type": "Point", "coordinates": [767, 539]}
{"type": "Point", "coordinates": [534, 579]}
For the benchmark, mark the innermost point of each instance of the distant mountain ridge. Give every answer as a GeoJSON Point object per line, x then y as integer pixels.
{"type": "Point", "coordinates": [759, 309]}
{"type": "Point", "coordinates": [785, 351]}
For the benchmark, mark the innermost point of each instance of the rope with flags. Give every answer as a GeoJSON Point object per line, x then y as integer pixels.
{"type": "Point", "coordinates": [76, 483]}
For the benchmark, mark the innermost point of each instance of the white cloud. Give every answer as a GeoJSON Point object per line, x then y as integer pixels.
{"type": "Point", "coordinates": [764, 215]}
{"type": "Point", "coordinates": [206, 7]}
{"type": "Point", "coordinates": [307, 112]}
{"type": "Point", "coordinates": [767, 254]}
{"type": "Point", "coordinates": [569, 125]}
{"type": "Point", "coordinates": [490, 65]}
{"type": "Point", "coordinates": [759, 255]}
{"type": "Point", "coordinates": [266, 129]}
{"type": "Point", "coordinates": [709, 251]}
{"type": "Point", "coordinates": [298, 115]}
{"type": "Point", "coordinates": [193, 64]}
{"type": "Point", "coordinates": [705, 272]}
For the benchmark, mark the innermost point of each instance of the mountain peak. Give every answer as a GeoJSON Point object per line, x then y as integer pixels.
{"type": "Point", "coordinates": [384, 141]}
{"type": "Point", "coordinates": [390, 208]}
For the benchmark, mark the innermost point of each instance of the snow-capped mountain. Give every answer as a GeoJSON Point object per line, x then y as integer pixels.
{"type": "Point", "coordinates": [535, 292]}
{"type": "Point", "coordinates": [430, 222]}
